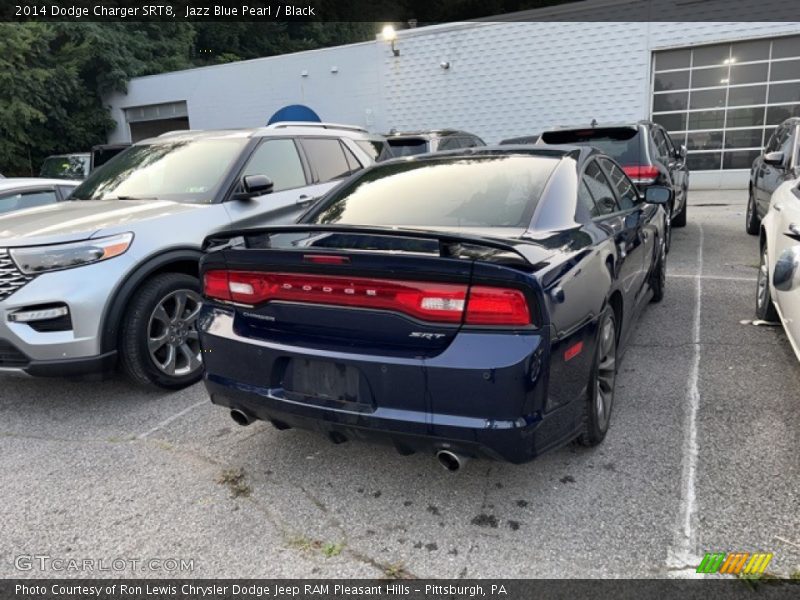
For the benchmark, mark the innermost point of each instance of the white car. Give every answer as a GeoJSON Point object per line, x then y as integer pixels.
{"type": "Point", "coordinates": [17, 193]}
{"type": "Point", "coordinates": [778, 294]}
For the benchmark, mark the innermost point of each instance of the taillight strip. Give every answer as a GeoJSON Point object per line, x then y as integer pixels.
{"type": "Point", "coordinates": [427, 301]}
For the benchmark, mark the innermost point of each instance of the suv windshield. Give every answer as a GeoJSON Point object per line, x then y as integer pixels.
{"type": "Point", "coordinates": [408, 146]}
{"type": "Point", "coordinates": [623, 144]}
{"type": "Point", "coordinates": [178, 170]}
{"type": "Point", "coordinates": [455, 192]}
{"type": "Point", "coordinates": [68, 166]}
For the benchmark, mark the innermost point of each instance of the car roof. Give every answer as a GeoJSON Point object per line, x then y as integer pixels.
{"type": "Point", "coordinates": [85, 154]}
{"type": "Point", "coordinates": [579, 153]}
{"type": "Point", "coordinates": [611, 125]}
{"type": "Point", "coordinates": [21, 182]}
{"type": "Point", "coordinates": [555, 150]}
{"type": "Point", "coordinates": [274, 130]}
{"type": "Point", "coordinates": [426, 132]}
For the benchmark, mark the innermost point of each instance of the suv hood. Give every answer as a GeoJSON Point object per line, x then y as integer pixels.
{"type": "Point", "coordinates": [81, 219]}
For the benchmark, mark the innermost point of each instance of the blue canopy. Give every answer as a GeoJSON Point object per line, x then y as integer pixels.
{"type": "Point", "coordinates": [294, 112]}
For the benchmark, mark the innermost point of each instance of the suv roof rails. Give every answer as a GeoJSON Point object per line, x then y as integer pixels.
{"type": "Point", "coordinates": [283, 124]}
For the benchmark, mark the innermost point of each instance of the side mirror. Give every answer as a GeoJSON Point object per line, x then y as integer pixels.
{"type": "Point", "coordinates": [682, 152]}
{"type": "Point", "coordinates": [786, 276]}
{"type": "Point", "coordinates": [774, 158]}
{"type": "Point", "coordinates": [657, 194]}
{"type": "Point", "coordinates": [254, 185]}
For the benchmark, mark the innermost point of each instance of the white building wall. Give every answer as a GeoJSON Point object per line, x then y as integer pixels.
{"type": "Point", "coordinates": [247, 93]}
{"type": "Point", "coordinates": [510, 79]}
{"type": "Point", "coordinates": [504, 79]}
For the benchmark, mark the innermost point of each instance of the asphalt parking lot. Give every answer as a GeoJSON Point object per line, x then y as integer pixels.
{"type": "Point", "coordinates": [702, 456]}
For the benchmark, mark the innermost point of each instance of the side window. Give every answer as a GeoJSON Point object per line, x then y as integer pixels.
{"type": "Point", "coordinates": [670, 144]}
{"type": "Point", "coordinates": [278, 160]}
{"type": "Point", "coordinates": [65, 191]}
{"type": "Point", "coordinates": [352, 161]}
{"type": "Point", "coordinates": [449, 143]}
{"type": "Point", "coordinates": [377, 150]}
{"type": "Point", "coordinates": [626, 191]}
{"type": "Point", "coordinates": [661, 144]}
{"type": "Point", "coordinates": [30, 199]}
{"type": "Point", "coordinates": [470, 142]}
{"type": "Point", "coordinates": [775, 141]}
{"type": "Point", "coordinates": [585, 198]}
{"type": "Point", "coordinates": [600, 189]}
{"type": "Point", "coordinates": [327, 158]}
{"type": "Point", "coordinates": [787, 146]}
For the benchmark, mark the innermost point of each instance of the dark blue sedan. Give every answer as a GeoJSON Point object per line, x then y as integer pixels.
{"type": "Point", "coordinates": [464, 304]}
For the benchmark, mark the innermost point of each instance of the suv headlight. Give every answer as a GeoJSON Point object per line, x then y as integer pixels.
{"type": "Point", "coordinates": [40, 259]}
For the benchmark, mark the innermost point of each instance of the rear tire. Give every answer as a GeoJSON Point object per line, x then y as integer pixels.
{"type": "Point", "coordinates": [600, 393]}
{"type": "Point", "coordinates": [752, 222]}
{"type": "Point", "coordinates": [679, 220]}
{"type": "Point", "coordinates": [765, 309]}
{"type": "Point", "coordinates": [159, 345]}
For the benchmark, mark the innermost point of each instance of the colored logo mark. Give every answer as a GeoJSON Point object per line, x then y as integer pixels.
{"type": "Point", "coordinates": [735, 563]}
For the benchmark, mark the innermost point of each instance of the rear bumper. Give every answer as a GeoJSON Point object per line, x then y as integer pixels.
{"type": "Point", "coordinates": [483, 396]}
{"type": "Point", "coordinates": [512, 441]}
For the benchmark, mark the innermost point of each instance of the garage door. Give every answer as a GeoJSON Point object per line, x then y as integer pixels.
{"type": "Point", "coordinates": [723, 101]}
{"type": "Point", "coordinates": [154, 119]}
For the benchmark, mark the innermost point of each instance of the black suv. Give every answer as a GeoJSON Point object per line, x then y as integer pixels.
{"type": "Point", "coordinates": [409, 143]}
{"type": "Point", "coordinates": [777, 164]}
{"type": "Point", "coordinates": [645, 151]}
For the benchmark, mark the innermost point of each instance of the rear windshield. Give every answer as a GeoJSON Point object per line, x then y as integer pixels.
{"type": "Point", "coordinates": [496, 191]}
{"type": "Point", "coordinates": [408, 146]}
{"type": "Point", "coordinates": [74, 166]}
{"type": "Point", "coordinates": [624, 144]}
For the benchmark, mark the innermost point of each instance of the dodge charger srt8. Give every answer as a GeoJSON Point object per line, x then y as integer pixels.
{"type": "Point", "coordinates": [468, 304]}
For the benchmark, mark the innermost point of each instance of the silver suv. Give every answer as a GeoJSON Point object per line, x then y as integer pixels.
{"type": "Point", "coordinates": [111, 274]}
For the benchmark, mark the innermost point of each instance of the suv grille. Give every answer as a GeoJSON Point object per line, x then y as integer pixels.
{"type": "Point", "coordinates": [10, 356]}
{"type": "Point", "coordinates": [11, 278]}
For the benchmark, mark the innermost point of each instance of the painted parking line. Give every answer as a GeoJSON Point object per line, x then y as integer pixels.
{"type": "Point", "coordinates": [711, 277]}
{"type": "Point", "coordinates": [681, 555]}
{"type": "Point", "coordinates": [169, 420]}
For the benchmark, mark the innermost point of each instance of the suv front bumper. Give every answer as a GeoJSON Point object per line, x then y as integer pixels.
{"type": "Point", "coordinates": [86, 291]}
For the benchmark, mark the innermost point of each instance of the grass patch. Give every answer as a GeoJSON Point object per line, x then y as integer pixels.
{"type": "Point", "coordinates": [396, 571]}
{"type": "Point", "coordinates": [332, 549]}
{"type": "Point", "coordinates": [236, 481]}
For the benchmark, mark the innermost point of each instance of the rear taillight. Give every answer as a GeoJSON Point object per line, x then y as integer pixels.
{"type": "Point", "coordinates": [641, 173]}
{"type": "Point", "coordinates": [497, 306]}
{"type": "Point", "coordinates": [438, 302]}
{"type": "Point", "coordinates": [215, 285]}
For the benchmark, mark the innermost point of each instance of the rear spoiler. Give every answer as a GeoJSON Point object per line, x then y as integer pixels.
{"type": "Point", "coordinates": [451, 245]}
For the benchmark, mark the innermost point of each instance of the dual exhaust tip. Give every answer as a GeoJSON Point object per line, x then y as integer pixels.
{"type": "Point", "coordinates": [450, 461]}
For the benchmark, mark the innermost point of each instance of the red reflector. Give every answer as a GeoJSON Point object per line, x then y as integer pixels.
{"type": "Point", "coordinates": [326, 259]}
{"type": "Point", "coordinates": [641, 171]}
{"type": "Point", "coordinates": [497, 306]}
{"type": "Point", "coordinates": [573, 351]}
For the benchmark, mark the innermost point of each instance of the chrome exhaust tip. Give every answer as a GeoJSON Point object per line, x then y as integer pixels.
{"type": "Point", "coordinates": [450, 460]}
{"type": "Point", "coordinates": [241, 417]}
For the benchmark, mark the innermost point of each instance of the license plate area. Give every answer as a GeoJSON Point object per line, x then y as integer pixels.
{"type": "Point", "coordinates": [322, 381]}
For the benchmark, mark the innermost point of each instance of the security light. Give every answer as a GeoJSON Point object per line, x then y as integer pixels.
{"type": "Point", "coordinates": [390, 35]}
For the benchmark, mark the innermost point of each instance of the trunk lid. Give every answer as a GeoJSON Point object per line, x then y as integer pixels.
{"type": "Point", "coordinates": [369, 291]}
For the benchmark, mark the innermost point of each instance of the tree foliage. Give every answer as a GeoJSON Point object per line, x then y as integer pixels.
{"type": "Point", "coordinates": [54, 75]}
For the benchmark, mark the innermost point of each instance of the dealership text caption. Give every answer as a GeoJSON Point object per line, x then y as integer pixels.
{"type": "Point", "coordinates": [53, 11]}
